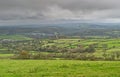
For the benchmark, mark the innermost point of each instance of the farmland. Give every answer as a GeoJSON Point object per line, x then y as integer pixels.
{"type": "Point", "coordinates": [14, 37]}
{"type": "Point", "coordinates": [35, 55]}
{"type": "Point", "coordinates": [95, 48]}
{"type": "Point", "coordinates": [59, 68]}
{"type": "Point", "coordinates": [56, 67]}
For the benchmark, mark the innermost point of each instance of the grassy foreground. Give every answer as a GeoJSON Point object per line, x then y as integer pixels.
{"type": "Point", "coordinates": [59, 68]}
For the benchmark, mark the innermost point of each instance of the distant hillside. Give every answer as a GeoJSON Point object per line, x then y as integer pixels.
{"type": "Point", "coordinates": [66, 29]}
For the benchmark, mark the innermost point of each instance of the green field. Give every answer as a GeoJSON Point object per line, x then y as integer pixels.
{"type": "Point", "coordinates": [5, 55]}
{"type": "Point", "coordinates": [111, 47]}
{"type": "Point", "coordinates": [14, 37]}
{"type": "Point", "coordinates": [59, 68]}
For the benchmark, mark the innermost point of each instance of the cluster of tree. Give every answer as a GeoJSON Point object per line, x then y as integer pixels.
{"type": "Point", "coordinates": [22, 50]}
{"type": "Point", "coordinates": [40, 46]}
{"type": "Point", "coordinates": [111, 56]}
{"type": "Point", "coordinates": [67, 56]}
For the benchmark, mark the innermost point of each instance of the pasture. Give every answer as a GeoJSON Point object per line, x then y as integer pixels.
{"type": "Point", "coordinates": [101, 48]}
{"type": "Point", "coordinates": [14, 37]}
{"type": "Point", "coordinates": [59, 68]}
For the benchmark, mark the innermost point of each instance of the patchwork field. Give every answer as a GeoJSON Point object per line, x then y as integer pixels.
{"type": "Point", "coordinates": [59, 68]}
{"type": "Point", "coordinates": [106, 49]}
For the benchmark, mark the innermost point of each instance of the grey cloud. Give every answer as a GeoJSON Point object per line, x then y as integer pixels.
{"type": "Point", "coordinates": [59, 9]}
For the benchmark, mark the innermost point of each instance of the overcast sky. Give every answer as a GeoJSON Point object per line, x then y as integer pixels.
{"type": "Point", "coordinates": [38, 10]}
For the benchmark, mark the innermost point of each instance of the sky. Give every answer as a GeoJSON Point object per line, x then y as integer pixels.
{"type": "Point", "coordinates": [18, 11]}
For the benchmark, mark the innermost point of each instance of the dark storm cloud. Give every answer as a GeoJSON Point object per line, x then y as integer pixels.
{"type": "Point", "coordinates": [59, 9]}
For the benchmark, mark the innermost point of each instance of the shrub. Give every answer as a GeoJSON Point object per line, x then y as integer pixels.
{"type": "Point", "coordinates": [22, 55]}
